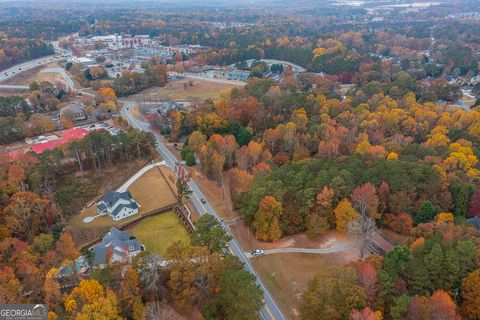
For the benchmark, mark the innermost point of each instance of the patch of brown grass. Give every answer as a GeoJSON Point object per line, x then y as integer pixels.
{"type": "Point", "coordinates": [286, 275]}
{"type": "Point", "coordinates": [151, 191]}
{"type": "Point", "coordinates": [175, 90]}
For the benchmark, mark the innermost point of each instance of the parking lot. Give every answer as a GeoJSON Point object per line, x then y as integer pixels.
{"type": "Point", "coordinates": [102, 125]}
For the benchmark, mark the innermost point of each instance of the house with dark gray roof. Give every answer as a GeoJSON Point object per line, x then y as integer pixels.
{"type": "Point", "coordinates": [118, 245]}
{"type": "Point", "coordinates": [118, 205]}
{"type": "Point", "coordinates": [75, 111]}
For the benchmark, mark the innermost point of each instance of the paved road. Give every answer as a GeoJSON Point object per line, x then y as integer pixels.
{"type": "Point", "coordinates": [270, 311]}
{"type": "Point", "coordinates": [65, 76]}
{"type": "Point", "coordinates": [19, 68]}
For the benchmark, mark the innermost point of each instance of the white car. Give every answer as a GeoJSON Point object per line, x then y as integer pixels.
{"type": "Point", "coordinates": [257, 252]}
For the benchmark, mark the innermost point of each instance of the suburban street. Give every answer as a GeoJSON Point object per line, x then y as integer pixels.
{"type": "Point", "coordinates": [12, 71]}
{"type": "Point", "coordinates": [270, 309]}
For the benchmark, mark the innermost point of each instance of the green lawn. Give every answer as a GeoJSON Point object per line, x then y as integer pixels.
{"type": "Point", "coordinates": [159, 232]}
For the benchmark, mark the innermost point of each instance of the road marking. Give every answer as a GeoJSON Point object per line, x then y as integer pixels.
{"type": "Point", "coordinates": [269, 312]}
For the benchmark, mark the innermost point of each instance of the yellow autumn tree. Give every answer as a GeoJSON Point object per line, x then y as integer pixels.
{"type": "Point", "coordinates": [438, 137]}
{"type": "Point", "coordinates": [392, 156]}
{"type": "Point", "coordinates": [300, 118]}
{"type": "Point", "coordinates": [90, 300]}
{"type": "Point", "coordinates": [445, 217]}
{"type": "Point", "coordinates": [363, 147]}
{"type": "Point", "coordinates": [461, 156]}
{"type": "Point", "coordinates": [318, 52]}
{"type": "Point", "coordinates": [344, 213]}
{"type": "Point", "coordinates": [267, 219]}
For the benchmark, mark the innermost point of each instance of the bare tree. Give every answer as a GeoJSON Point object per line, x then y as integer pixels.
{"type": "Point", "coordinates": [153, 277]}
{"type": "Point", "coordinates": [160, 310]}
{"type": "Point", "coordinates": [363, 229]}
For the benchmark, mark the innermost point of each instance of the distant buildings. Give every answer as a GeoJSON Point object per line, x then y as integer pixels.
{"type": "Point", "coordinates": [76, 110]}
{"type": "Point", "coordinates": [118, 205]}
{"type": "Point", "coordinates": [116, 246]}
{"type": "Point", "coordinates": [238, 75]}
{"type": "Point", "coordinates": [166, 107]}
{"type": "Point", "coordinates": [87, 62]}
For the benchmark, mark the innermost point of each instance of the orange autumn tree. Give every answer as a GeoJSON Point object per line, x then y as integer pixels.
{"type": "Point", "coordinates": [52, 290]}
{"type": "Point", "coordinates": [130, 295]}
{"type": "Point", "coordinates": [321, 218]}
{"type": "Point", "coordinates": [175, 124]}
{"type": "Point", "coordinates": [105, 94]}
{"type": "Point", "coordinates": [267, 223]}
{"type": "Point", "coordinates": [470, 307]}
{"type": "Point", "coordinates": [365, 314]}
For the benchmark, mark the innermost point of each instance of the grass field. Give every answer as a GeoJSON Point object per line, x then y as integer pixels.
{"type": "Point", "coordinates": [152, 191]}
{"type": "Point", "coordinates": [175, 90]}
{"type": "Point", "coordinates": [159, 232]}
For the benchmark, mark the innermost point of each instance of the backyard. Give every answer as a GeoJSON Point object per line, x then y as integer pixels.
{"type": "Point", "coordinates": [159, 232]}
{"type": "Point", "coordinates": [151, 191]}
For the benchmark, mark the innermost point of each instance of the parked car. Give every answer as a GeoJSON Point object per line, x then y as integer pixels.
{"type": "Point", "coordinates": [257, 252]}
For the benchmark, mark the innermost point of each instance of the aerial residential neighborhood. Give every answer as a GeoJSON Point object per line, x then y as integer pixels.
{"type": "Point", "coordinates": [239, 160]}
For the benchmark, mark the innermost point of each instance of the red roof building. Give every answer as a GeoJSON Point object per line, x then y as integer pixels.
{"type": "Point", "coordinates": [65, 137]}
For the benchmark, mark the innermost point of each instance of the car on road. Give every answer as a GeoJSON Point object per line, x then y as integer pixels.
{"type": "Point", "coordinates": [257, 252]}
{"type": "Point", "coordinates": [203, 201]}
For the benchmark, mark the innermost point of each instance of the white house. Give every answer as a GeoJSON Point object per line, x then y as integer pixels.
{"type": "Point", "coordinates": [118, 205]}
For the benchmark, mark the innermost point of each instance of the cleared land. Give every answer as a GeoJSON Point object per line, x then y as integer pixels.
{"type": "Point", "coordinates": [159, 232]}
{"type": "Point", "coordinates": [286, 275]}
{"type": "Point", "coordinates": [151, 191]}
{"type": "Point", "coordinates": [181, 90]}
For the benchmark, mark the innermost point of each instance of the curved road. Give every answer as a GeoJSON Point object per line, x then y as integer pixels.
{"type": "Point", "coordinates": [270, 311]}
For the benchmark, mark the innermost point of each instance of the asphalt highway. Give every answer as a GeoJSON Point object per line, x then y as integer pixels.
{"type": "Point", "coordinates": [19, 68]}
